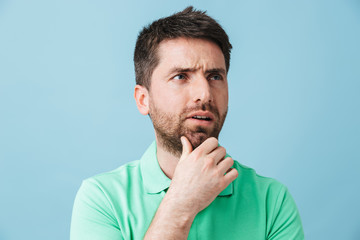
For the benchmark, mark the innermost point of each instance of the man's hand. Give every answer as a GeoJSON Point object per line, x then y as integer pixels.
{"type": "Point", "coordinates": [199, 177]}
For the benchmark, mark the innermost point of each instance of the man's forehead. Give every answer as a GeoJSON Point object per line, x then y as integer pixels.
{"type": "Point", "coordinates": [191, 54]}
{"type": "Point", "coordinates": [183, 42]}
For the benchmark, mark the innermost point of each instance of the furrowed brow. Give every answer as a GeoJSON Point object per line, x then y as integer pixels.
{"type": "Point", "coordinates": [209, 71]}
{"type": "Point", "coordinates": [216, 70]}
{"type": "Point", "coordinates": [181, 70]}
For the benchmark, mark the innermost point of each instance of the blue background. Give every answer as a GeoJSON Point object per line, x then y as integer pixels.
{"type": "Point", "coordinates": [67, 110]}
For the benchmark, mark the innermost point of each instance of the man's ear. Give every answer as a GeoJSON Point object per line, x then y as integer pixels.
{"type": "Point", "coordinates": [141, 95]}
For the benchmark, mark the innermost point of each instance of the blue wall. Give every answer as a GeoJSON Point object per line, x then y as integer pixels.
{"type": "Point", "coordinates": [67, 110]}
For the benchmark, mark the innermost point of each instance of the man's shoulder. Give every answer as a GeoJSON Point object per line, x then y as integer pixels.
{"type": "Point", "coordinates": [248, 176]}
{"type": "Point", "coordinates": [120, 175]}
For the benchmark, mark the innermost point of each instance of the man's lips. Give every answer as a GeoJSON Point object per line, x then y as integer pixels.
{"type": "Point", "coordinates": [201, 116]}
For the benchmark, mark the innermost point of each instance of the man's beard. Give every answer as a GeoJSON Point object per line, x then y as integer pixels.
{"type": "Point", "coordinates": [170, 127]}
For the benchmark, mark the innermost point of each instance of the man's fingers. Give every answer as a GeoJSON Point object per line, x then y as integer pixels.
{"type": "Point", "coordinates": [218, 154]}
{"type": "Point", "coordinates": [186, 147]}
{"type": "Point", "coordinates": [231, 175]}
{"type": "Point", "coordinates": [225, 165]}
{"type": "Point", "coordinates": [207, 146]}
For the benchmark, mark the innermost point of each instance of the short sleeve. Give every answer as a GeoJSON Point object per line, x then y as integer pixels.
{"type": "Point", "coordinates": [93, 215]}
{"type": "Point", "coordinates": [284, 218]}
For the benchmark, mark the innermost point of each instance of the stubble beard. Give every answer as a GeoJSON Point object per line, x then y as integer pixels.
{"type": "Point", "coordinates": [170, 127]}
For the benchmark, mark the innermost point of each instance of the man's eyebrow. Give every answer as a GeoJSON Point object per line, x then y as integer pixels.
{"type": "Point", "coordinates": [216, 70]}
{"type": "Point", "coordinates": [184, 70]}
{"type": "Point", "coordinates": [181, 70]}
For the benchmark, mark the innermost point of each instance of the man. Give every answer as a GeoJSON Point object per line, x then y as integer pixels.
{"type": "Point", "coordinates": [185, 186]}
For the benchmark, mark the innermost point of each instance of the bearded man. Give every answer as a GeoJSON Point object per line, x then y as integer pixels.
{"type": "Point", "coordinates": [185, 186]}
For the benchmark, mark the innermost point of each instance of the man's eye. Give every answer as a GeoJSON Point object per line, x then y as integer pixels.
{"type": "Point", "coordinates": [180, 77]}
{"type": "Point", "coordinates": [216, 77]}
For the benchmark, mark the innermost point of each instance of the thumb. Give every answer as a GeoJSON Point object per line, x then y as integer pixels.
{"type": "Point", "coordinates": [186, 147]}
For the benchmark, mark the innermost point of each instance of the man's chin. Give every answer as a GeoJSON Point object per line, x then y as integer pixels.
{"type": "Point", "coordinates": [197, 138]}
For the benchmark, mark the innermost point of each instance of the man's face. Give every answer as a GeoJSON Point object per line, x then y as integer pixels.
{"type": "Point", "coordinates": [188, 95]}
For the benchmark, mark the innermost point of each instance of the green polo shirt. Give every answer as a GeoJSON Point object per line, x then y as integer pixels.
{"type": "Point", "coordinates": [121, 204]}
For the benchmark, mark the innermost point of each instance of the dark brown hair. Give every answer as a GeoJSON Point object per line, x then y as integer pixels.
{"type": "Point", "coordinates": [188, 23]}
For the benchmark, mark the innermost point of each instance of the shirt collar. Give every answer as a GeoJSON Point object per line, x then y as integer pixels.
{"type": "Point", "coordinates": [154, 179]}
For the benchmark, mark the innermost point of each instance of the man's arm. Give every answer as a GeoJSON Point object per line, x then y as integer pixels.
{"type": "Point", "coordinates": [284, 218]}
{"type": "Point", "coordinates": [199, 177]}
{"type": "Point", "coordinates": [92, 217]}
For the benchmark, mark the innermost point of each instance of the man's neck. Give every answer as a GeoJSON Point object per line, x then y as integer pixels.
{"type": "Point", "coordinates": [167, 160]}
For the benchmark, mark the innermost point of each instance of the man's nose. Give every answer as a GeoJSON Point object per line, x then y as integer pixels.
{"type": "Point", "coordinates": [200, 90]}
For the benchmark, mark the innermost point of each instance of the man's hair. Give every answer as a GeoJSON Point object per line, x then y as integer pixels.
{"type": "Point", "coordinates": [188, 23]}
